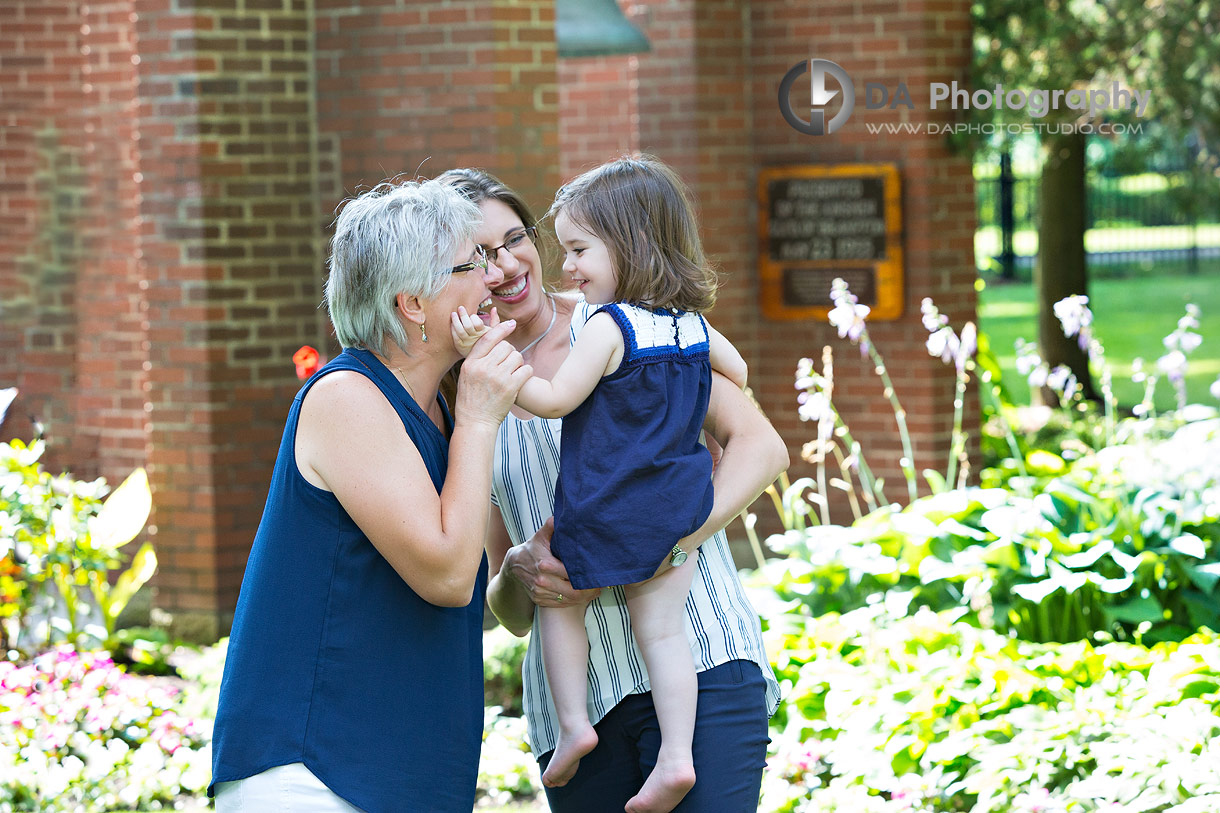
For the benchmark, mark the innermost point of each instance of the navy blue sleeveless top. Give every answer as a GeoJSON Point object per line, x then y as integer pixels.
{"type": "Point", "coordinates": [335, 662]}
{"type": "Point", "coordinates": [633, 477]}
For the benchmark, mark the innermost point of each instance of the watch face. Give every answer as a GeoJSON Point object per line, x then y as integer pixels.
{"type": "Point", "coordinates": [678, 558]}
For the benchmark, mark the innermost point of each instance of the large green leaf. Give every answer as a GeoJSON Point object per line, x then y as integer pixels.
{"type": "Point", "coordinates": [143, 565]}
{"type": "Point", "coordinates": [1089, 556]}
{"type": "Point", "coordinates": [1204, 576]}
{"type": "Point", "coordinates": [1136, 611]}
{"type": "Point", "coordinates": [124, 513]}
{"type": "Point", "coordinates": [955, 528]}
{"type": "Point", "coordinates": [1001, 553]}
{"type": "Point", "coordinates": [1190, 545]}
{"type": "Point", "coordinates": [1037, 592]}
{"type": "Point", "coordinates": [1111, 585]}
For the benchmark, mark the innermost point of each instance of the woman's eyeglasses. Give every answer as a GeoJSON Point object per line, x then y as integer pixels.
{"type": "Point", "coordinates": [514, 241]}
{"type": "Point", "coordinates": [478, 263]}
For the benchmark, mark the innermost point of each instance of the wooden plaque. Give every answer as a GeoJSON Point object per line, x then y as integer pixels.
{"type": "Point", "coordinates": [816, 223]}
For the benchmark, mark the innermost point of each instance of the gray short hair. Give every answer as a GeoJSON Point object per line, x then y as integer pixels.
{"type": "Point", "coordinates": [395, 238]}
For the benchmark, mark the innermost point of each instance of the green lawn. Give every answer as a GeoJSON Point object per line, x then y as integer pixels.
{"type": "Point", "coordinates": [1131, 317]}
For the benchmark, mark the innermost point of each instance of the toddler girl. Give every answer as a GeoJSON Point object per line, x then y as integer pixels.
{"type": "Point", "coordinates": [634, 479]}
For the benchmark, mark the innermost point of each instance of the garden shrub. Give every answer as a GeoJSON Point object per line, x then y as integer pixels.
{"type": "Point", "coordinates": [886, 712]}
{"type": "Point", "coordinates": [1125, 544]}
{"type": "Point", "coordinates": [58, 544]}
{"type": "Point", "coordinates": [503, 656]}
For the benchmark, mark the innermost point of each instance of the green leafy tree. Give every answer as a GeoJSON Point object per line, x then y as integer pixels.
{"type": "Point", "coordinates": [1170, 48]}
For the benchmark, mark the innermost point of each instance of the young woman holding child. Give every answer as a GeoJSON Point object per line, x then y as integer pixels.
{"type": "Point", "coordinates": [635, 497]}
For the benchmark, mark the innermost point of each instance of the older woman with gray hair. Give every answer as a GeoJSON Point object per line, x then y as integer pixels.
{"type": "Point", "coordinates": [354, 675]}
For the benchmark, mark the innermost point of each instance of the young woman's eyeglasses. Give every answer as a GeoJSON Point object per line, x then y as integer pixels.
{"type": "Point", "coordinates": [479, 262]}
{"type": "Point", "coordinates": [514, 241]}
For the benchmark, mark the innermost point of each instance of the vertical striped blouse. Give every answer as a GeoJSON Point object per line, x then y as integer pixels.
{"type": "Point", "coordinates": [721, 625]}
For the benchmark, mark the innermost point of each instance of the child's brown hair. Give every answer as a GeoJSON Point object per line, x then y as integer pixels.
{"type": "Point", "coordinates": [640, 209]}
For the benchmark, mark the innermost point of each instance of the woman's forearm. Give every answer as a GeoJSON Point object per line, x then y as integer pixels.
{"type": "Point", "coordinates": [464, 511]}
{"type": "Point", "coordinates": [754, 455]}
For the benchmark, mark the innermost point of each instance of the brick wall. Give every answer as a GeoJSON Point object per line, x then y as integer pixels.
{"type": "Point", "coordinates": [415, 88]}
{"type": "Point", "coordinates": [903, 40]}
{"type": "Point", "coordinates": [111, 355]}
{"type": "Point", "coordinates": [598, 110]}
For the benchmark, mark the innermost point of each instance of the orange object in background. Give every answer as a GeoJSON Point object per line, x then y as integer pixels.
{"type": "Point", "coordinates": [307, 361]}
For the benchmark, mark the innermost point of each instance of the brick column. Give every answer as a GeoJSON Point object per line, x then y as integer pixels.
{"type": "Point", "coordinates": [230, 255]}
{"type": "Point", "coordinates": [42, 200]}
{"type": "Point", "coordinates": [112, 347]}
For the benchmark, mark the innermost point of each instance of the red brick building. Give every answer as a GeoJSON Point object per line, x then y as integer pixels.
{"type": "Point", "coordinates": [169, 168]}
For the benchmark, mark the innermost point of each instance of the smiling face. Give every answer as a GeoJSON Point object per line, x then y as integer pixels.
{"type": "Point", "coordinates": [471, 288]}
{"type": "Point", "coordinates": [520, 294]}
{"type": "Point", "coordinates": [586, 261]}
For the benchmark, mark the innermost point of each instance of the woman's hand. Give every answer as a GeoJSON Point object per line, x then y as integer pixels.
{"type": "Point", "coordinates": [542, 575]}
{"type": "Point", "coordinates": [491, 377]}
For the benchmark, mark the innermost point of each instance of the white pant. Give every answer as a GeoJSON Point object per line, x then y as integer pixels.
{"type": "Point", "coordinates": [286, 789]}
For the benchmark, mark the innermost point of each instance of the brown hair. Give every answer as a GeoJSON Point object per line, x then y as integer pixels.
{"type": "Point", "coordinates": [478, 186]}
{"type": "Point", "coordinates": [640, 209]}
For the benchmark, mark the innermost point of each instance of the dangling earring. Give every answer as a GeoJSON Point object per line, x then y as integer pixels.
{"type": "Point", "coordinates": [423, 332]}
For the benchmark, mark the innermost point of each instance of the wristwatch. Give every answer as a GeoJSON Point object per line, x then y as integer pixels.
{"type": "Point", "coordinates": [677, 556]}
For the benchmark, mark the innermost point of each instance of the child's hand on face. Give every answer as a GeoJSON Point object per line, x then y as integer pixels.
{"type": "Point", "coordinates": [468, 327]}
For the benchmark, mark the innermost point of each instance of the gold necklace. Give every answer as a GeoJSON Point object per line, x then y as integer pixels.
{"type": "Point", "coordinates": [401, 375]}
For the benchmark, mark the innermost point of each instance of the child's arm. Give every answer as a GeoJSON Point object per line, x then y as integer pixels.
{"type": "Point", "coordinates": [725, 358]}
{"type": "Point", "coordinates": [598, 350]}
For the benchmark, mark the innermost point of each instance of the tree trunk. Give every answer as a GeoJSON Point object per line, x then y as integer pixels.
{"type": "Point", "coordinates": [1061, 270]}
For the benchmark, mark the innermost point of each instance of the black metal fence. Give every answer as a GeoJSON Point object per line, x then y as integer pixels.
{"type": "Point", "coordinates": [1137, 224]}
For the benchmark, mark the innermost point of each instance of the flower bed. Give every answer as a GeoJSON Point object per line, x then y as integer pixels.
{"type": "Point", "coordinates": [77, 733]}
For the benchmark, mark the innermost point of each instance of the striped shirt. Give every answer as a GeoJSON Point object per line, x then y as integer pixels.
{"type": "Point", "coordinates": [721, 625]}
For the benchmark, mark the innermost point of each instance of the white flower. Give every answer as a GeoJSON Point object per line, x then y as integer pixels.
{"type": "Point", "coordinates": [847, 315]}
{"type": "Point", "coordinates": [968, 345]}
{"type": "Point", "coordinates": [933, 320]}
{"type": "Point", "coordinates": [944, 344]}
{"type": "Point", "coordinates": [1137, 370]}
{"type": "Point", "coordinates": [1074, 314]}
{"type": "Point", "coordinates": [814, 406]}
{"type": "Point", "coordinates": [1030, 365]}
{"type": "Point", "coordinates": [1173, 364]}
{"type": "Point", "coordinates": [1215, 389]}
{"type": "Point", "coordinates": [1061, 380]}
{"type": "Point", "coordinates": [1191, 319]}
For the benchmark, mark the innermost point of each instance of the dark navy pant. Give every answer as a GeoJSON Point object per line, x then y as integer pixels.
{"type": "Point", "coordinates": [730, 749]}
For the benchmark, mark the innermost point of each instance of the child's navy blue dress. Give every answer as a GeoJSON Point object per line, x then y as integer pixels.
{"type": "Point", "coordinates": [633, 477]}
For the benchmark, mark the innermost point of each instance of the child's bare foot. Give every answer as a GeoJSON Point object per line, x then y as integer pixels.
{"type": "Point", "coordinates": [665, 787]}
{"type": "Point", "coordinates": [566, 759]}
